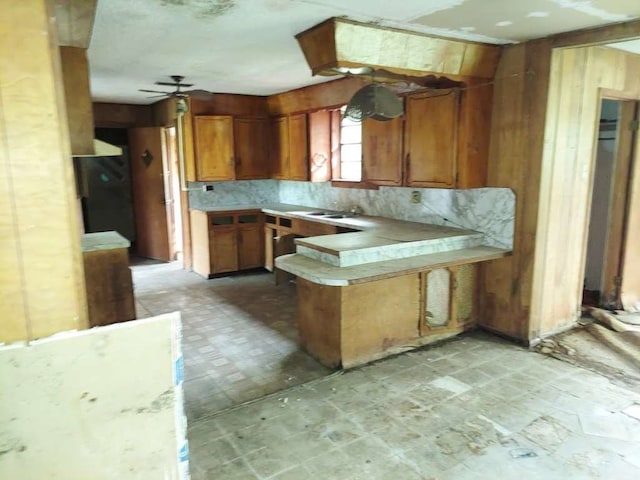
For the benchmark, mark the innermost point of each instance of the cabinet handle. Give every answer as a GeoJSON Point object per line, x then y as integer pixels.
{"type": "Point", "coordinates": [239, 161]}
{"type": "Point", "coordinates": [408, 168]}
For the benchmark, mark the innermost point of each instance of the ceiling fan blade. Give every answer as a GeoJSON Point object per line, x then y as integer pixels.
{"type": "Point", "coordinates": [199, 94]}
{"type": "Point", "coordinates": [153, 91]}
{"type": "Point", "coordinates": [174, 84]}
{"type": "Point", "coordinates": [166, 95]}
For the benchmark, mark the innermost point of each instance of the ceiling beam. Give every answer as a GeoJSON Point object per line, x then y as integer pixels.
{"type": "Point", "coordinates": [618, 32]}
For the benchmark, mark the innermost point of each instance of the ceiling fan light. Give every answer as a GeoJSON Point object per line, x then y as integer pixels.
{"type": "Point", "coordinates": [182, 106]}
{"type": "Point", "coordinates": [374, 101]}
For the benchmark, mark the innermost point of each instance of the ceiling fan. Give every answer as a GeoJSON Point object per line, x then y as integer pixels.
{"type": "Point", "coordinates": [178, 92]}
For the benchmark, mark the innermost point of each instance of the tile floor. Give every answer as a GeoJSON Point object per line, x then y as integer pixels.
{"type": "Point", "coordinates": [476, 407]}
{"type": "Point", "coordinates": [239, 334]}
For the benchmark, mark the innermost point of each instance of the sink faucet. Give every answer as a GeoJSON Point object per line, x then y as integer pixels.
{"type": "Point", "coordinates": [356, 210]}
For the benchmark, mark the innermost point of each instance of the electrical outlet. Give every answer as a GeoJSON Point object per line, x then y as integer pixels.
{"type": "Point", "coordinates": [207, 188]}
{"type": "Point", "coordinates": [416, 197]}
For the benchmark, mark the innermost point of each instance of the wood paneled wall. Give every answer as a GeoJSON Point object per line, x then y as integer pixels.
{"type": "Point", "coordinates": [578, 76]}
{"type": "Point", "coordinates": [41, 279]}
{"type": "Point", "coordinates": [75, 73]}
{"type": "Point", "coordinates": [228, 104]}
{"type": "Point", "coordinates": [316, 97]}
{"type": "Point", "coordinates": [517, 127]}
{"type": "Point", "coordinates": [544, 130]}
{"type": "Point", "coordinates": [118, 115]}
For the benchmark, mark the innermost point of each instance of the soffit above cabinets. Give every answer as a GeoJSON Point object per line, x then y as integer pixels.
{"type": "Point", "coordinates": [338, 44]}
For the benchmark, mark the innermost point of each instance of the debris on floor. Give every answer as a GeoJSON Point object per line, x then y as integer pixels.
{"type": "Point", "coordinates": [606, 342]}
{"type": "Point", "coordinates": [616, 321]}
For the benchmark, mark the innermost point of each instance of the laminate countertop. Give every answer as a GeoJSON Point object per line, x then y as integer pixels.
{"type": "Point", "coordinates": [94, 242]}
{"type": "Point", "coordinates": [380, 248]}
{"type": "Point", "coordinates": [384, 227]}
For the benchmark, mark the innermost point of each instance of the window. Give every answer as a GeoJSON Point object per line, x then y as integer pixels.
{"type": "Point", "coordinates": [350, 166]}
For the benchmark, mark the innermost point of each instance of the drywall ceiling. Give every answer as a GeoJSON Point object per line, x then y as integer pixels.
{"type": "Point", "coordinates": [632, 46]}
{"type": "Point", "coordinates": [248, 46]}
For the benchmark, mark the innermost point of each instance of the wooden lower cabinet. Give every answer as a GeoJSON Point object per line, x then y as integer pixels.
{"type": "Point", "coordinates": [280, 233]}
{"type": "Point", "coordinates": [223, 250]}
{"type": "Point", "coordinates": [351, 325]}
{"type": "Point", "coordinates": [226, 242]}
{"type": "Point", "coordinates": [109, 286]}
{"type": "Point", "coordinates": [250, 246]}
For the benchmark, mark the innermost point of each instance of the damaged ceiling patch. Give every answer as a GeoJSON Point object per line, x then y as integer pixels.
{"type": "Point", "coordinates": [394, 11]}
{"type": "Point", "coordinates": [203, 8]}
{"type": "Point", "coordinates": [599, 8]}
{"type": "Point", "coordinates": [526, 18]}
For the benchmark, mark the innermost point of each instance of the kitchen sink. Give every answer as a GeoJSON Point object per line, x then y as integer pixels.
{"type": "Point", "coordinates": [340, 215]}
{"type": "Point", "coordinates": [317, 213]}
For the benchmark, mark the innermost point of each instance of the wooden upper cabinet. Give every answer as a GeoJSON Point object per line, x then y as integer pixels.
{"type": "Point", "coordinates": [473, 136]}
{"type": "Point", "coordinates": [298, 147]}
{"type": "Point", "coordinates": [431, 139]}
{"type": "Point", "coordinates": [280, 148]}
{"type": "Point", "coordinates": [320, 146]}
{"type": "Point", "coordinates": [214, 149]}
{"type": "Point", "coordinates": [251, 148]}
{"type": "Point", "coordinates": [382, 151]}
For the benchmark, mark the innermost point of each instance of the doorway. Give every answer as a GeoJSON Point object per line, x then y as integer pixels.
{"type": "Point", "coordinates": [610, 204]}
{"type": "Point", "coordinates": [136, 194]}
{"type": "Point", "coordinates": [156, 193]}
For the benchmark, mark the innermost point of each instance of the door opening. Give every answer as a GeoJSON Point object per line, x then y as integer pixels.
{"type": "Point", "coordinates": [609, 204]}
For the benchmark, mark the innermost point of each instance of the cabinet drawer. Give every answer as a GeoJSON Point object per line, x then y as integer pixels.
{"type": "Point", "coordinates": [250, 218]}
{"type": "Point", "coordinates": [311, 229]}
{"type": "Point", "coordinates": [220, 221]}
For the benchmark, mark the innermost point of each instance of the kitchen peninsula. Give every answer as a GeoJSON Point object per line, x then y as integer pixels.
{"type": "Point", "coordinates": [368, 287]}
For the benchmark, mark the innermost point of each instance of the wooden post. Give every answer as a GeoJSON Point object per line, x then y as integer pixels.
{"type": "Point", "coordinates": [41, 279]}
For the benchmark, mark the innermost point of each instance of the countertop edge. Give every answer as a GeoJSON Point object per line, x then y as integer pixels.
{"type": "Point", "coordinates": [322, 273]}
{"type": "Point", "coordinates": [101, 241]}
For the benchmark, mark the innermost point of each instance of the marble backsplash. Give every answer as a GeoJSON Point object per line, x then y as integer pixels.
{"type": "Point", "coordinates": [242, 192]}
{"type": "Point", "coordinates": [487, 210]}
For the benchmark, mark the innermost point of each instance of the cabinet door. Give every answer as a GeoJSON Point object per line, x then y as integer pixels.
{"type": "Point", "coordinates": [214, 148]}
{"type": "Point", "coordinates": [382, 151]}
{"type": "Point", "coordinates": [298, 148]}
{"type": "Point", "coordinates": [320, 146]}
{"type": "Point", "coordinates": [280, 148]}
{"type": "Point", "coordinates": [431, 139]}
{"type": "Point", "coordinates": [250, 246]}
{"type": "Point", "coordinates": [251, 148]}
{"type": "Point", "coordinates": [223, 248]}
{"type": "Point", "coordinates": [473, 136]}
{"type": "Point", "coordinates": [269, 238]}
